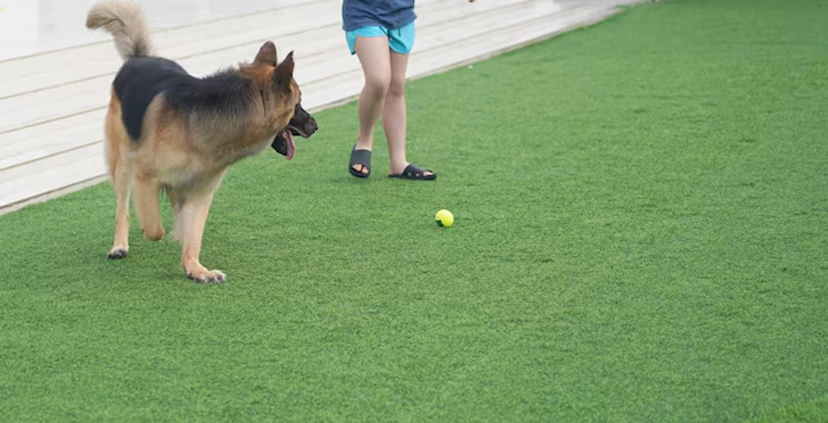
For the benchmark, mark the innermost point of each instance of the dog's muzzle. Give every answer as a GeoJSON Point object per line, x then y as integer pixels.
{"type": "Point", "coordinates": [302, 124]}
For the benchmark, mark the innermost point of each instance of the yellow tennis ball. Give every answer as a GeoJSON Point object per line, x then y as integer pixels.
{"type": "Point", "coordinates": [444, 218]}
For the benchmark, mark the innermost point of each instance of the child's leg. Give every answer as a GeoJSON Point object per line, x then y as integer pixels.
{"type": "Point", "coordinates": [394, 113]}
{"type": "Point", "coordinates": [373, 56]}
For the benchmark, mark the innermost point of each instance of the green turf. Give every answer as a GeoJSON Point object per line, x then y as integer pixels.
{"type": "Point", "coordinates": [640, 237]}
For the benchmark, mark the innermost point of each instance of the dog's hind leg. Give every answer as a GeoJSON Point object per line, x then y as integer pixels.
{"type": "Point", "coordinates": [145, 193]}
{"type": "Point", "coordinates": [175, 199]}
{"type": "Point", "coordinates": [192, 217]}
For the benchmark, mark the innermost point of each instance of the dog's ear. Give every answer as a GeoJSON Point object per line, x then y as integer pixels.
{"type": "Point", "coordinates": [267, 55]}
{"type": "Point", "coordinates": [284, 71]}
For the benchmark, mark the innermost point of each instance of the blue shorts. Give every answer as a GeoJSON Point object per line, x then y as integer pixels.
{"type": "Point", "coordinates": [400, 40]}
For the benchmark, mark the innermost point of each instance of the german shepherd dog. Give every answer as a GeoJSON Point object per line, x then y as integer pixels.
{"type": "Point", "coordinates": [169, 131]}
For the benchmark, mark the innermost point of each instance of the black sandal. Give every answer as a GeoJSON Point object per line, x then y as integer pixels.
{"type": "Point", "coordinates": [416, 173]}
{"type": "Point", "coordinates": [362, 158]}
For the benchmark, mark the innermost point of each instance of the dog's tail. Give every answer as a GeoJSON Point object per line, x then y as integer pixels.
{"type": "Point", "coordinates": [124, 20]}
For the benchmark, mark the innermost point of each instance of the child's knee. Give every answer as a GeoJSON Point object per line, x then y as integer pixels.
{"type": "Point", "coordinates": [378, 83]}
{"type": "Point", "coordinates": [396, 88]}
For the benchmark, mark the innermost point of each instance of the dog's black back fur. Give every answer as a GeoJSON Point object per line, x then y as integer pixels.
{"type": "Point", "coordinates": [142, 78]}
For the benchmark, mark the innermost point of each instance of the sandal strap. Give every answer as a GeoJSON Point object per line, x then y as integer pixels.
{"type": "Point", "coordinates": [362, 158]}
{"type": "Point", "coordinates": [415, 172]}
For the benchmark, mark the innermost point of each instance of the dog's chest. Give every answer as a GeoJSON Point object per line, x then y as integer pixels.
{"type": "Point", "coordinates": [192, 168]}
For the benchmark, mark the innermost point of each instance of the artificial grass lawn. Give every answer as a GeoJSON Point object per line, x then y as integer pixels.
{"type": "Point", "coordinates": [640, 236]}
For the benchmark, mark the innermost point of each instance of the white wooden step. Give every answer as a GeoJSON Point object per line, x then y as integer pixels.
{"type": "Point", "coordinates": [40, 71]}
{"type": "Point", "coordinates": [37, 72]}
{"type": "Point", "coordinates": [51, 174]}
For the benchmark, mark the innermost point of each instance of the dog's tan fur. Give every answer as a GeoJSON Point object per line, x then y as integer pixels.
{"type": "Point", "coordinates": [182, 152]}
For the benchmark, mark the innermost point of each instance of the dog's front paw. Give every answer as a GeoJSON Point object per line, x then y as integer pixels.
{"type": "Point", "coordinates": [212, 276]}
{"type": "Point", "coordinates": [117, 253]}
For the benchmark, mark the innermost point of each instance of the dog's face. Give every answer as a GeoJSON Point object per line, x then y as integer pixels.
{"type": "Point", "coordinates": [282, 99]}
{"type": "Point", "coordinates": [302, 124]}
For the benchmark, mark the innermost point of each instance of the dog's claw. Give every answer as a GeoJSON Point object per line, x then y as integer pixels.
{"type": "Point", "coordinates": [117, 253]}
{"type": "Point", "coordinates": [213, 277]}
